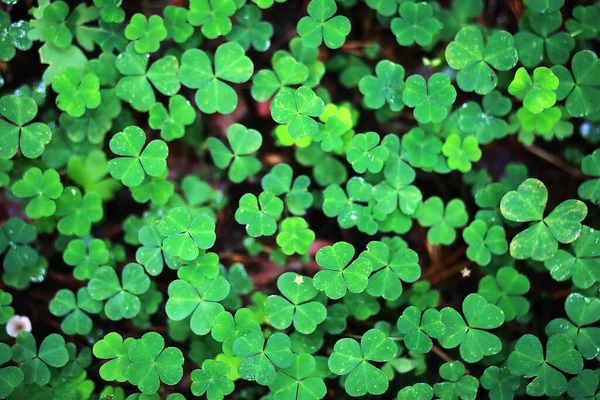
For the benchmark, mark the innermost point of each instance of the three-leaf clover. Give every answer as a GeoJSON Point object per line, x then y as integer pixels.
{"type": "Point", "coordinates": [227, 328]}
{"type": "Point", "coordinates": [185, 234]}
{"type": "Point", "coordinates": [461, 152]}
{"type": "Point", "coordinates": [295, 108]}
{"type": "Point", "coordinates": [540, 241]}
{"type": "Point", "coordinates": [10, 376]}
{"type": "Point", "coordinates": [35, 362]}
{"type": "Point", "coordinates": [430, 100]}
{"type": "Point", "coordinates": [352, 359]}
{"type": "Point", "coordinates": [279, 181]}
{"type": "Point", "coordinates": [15, 134]}
{"type": "Point", "coordinates": [112, 347]}
{"type": "Point", "coordinates": [474, 59]}
{"type": "Point", "coordinates": [43, 187]}
{"type": "Point", "coordinates": [122, 296]}
{"type": "Point", "coordinates": [417, 328]}
{"type": "Point", "coordinates": [146, 33]}
{"type": "Point", "coordinates": [537, 95]}
{"type": "Point", "coordinates": [75, 309]}
{"type": "Point", "coordinates": [396, 191]}
{"type": "Point", "coordinates": [338, 275]}
{"type": "Point", "coordinates": [230, 64]}
{"type": "Point", "coordinates": [528, 360]}
{"type": "Point", "coordinates": [590, 166]}
{"type": "Point", "coordinates": [416, 24]}
{"type": "Point", "coordinates": [212, 379]}
{"type": "Point", "coordinates": [506, 290]}
{"type": "Point", "coordinates": [76, 92]}
{"type": "Point", "coordinates": [259, 221]}
{"type": "Point", "coordinates": [443, 222]}
{"type": "Point", "coordinates": [212, 15]}
{"type": "Point", "coordinates": [78, 212]}
{"type": "Point", "coordinates": [366, 153]}
{"type": "Point", "coordinates": [299, 381]}
{"type": "Point", "coordinates": [500, 382]}
{"type": "Point", "coordinates": [421, 149]}
{"type": "Point", "coordinates": [172, 123]}
{"type": "Point", "coordinates": [295, 305]}
{"type": "Point", "coordinates": [251, 30]}
{"type": "Point", "coordinates": [86, 255]}
{"type": "Point", "coordinates": [294, 236]}
{"type": "Point", "coordinates": [152, 364]}
{"type": "Point", "coordinates": [484, 241]}
{"type": "Point", "coordinates": [385, 87]}
{"type": "Point", "coordinates": [241, 161]}
{"type": "Point", "coordinates": [110, 10]}
{"type": "Point", "coordinates": [457, 384]}
{"type": "Point", "coordinates": [322, 27]}
{"type": "Point", "coordinates": [15, 236]}
{"type": "Point", "coordinates": [286, 71]}
{"type": "Point", "coordinates": [580, 89]}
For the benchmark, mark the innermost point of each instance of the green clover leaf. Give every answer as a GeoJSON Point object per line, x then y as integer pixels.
{"type": "Point", "coordinates": [590, 166]}
{"type": "Point", "coordinates": [538, 95]}
{"type": "Point", "coordinates": [176, 22]}
{"type": "Point", "coordinates": [416, 24]}
{"type": "Point", "coordinates": [295, 305]}
{"type": "Point", "coordinates": [338, 275]}
{"type": "Point", "coordinates": [486, 125]}
{"type": "Point", "coordinates": [75, 308]}
{"type": "Point", "coordinates": [346, 207]}
{"type": "Point", "coordinates": [294, 236]}
{"type": "Point", "coordinates": [14, 37]}
{"type": "Point", "coordinates": [430, 100]}
{"type": "Point", "coordinates": [260, 360]}
{"type": "Point", "coordinates": [443, 222]}
{"type": "Point", "coordinates": [185, 234]}
{"type": "Point", "coordinates": [112, 347]}
{"type": "Point", "coordinates": [151, 253]}
{"type": "Point", "coordinates": [484, 242]}
{"type": "Point", "coordinates": [580, 89]}
{"type": "Point", "coordinates": [457, 384]}
{"type": "Point", "coordinates": [201, 302]}
{"type": "Point", "coordinates": [227, 329]}
{"type": "Point", "coordinates": [172, 123]}
{"type": "Point", "coordinates": [279, 181]}
{"type": "Point", "coordinates": [584, 385]}
{"type": "Point", "coordinates": [584, 24]}
{"type": "Point", "coordinates": [474, 341]}
{"type": "Point", "coordinates": [396, 191]}
{"type": "Point", "coordinates": [251, 30]}
{"type": "Point", "coordinates": [421, 149]}
{"type": "Point", "coordinates": [506, 290]}
{"type": "Point", "coordinates": [527, 359]}
{"type": "Point", "coordinates": [385, 87]}
{"type": "Point", "coordinates": [55, 29]}
{"type": "Point", "coordinates": [259, 221]}
{"type": "Point", "coordinates": [212, 15]}
{"type": "Point", "coordinates": [287, 71]}
{"type": "Point", "coordinates": [352, 359]}
{"type": "Point", "coordinates": [541, 6]}
{"type": "Point", "coordinates": [474, 60]}
{"type": "Point", "coordinates": [123, 300]}
{"type": "Point", "coordinates": [212, 379]}
{"type": "Point", "coordinates": [241, 162]}
{"type": "Point", "coordinates": [461, 153]}
{"type": "Point", "coordinates": [146, 33]}
{"type": "Point", "coordinates": [110, 10]}
{"type": "Point", "coordinates": [152, 364]}
{"type": "Point", "coordinates": [418, 391]}
{"type": "Point", "coordinates": [78, 212]}
{"type": "Point", "coordinates": [366, 153]}
{"type": "Point", "coordinates": [134, 163]}
{"type": "Point", "coordinates": [6, 311]}
{"type": "Point", "coordinates": [299, 381]}
{"type": "Point", "coordinates": [86, 256]}
{"type": "Point", "coordinates": [15, 134]}
{"type": "Point", "coordinates": [76, 92]}
{"type": "Point", "coordinates": [35, 362]}
{"type": "Point", "coordinates": [296, 109]}
{"type": "Point", "coordinates": [417, 328]}
{"type": "Point", "coordinates": [11, 376]}
{"type": "Point", "coordinates": [15, 236]}
{"type": "Point", "coordinates": [540, 240]}
{"type": "Point", "coordinates": [322, 27]}
{"type": "Point", "coordinates": [44, 188]}
{"type": "Point", "coordinates": [230, 64]}
{"type": "Point", "coordinates": [500, 382]}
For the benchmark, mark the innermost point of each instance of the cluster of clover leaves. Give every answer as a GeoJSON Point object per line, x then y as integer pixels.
{"type": "Point", "coordinates": [120, 92]}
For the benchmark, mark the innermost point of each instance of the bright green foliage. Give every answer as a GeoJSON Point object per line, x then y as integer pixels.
{"type": "Point", "coordinates": [528, 360]}
{"type": "Point", "coordinates": [34, 361]}
{"type": "Point", "coordinates": [185, 234]}
{"type": "Point", "coordinates": [227, 329]}
{"type": "Point", "coordinates": [76, 93]}
{"type": "Point", "coordinates": [251, 30]}
{"type": "Point", "coordinates": [230, 64]}
{"type": "Point", "coordinates": [299, 381]}
{"type": "Point", "coordinates": [176, 22]}
{"type": "Point", "coordinates": [396, 191]}
{"type": "Point", "coordinates": [75, 308]}
{"type": "Point", "coordinates": [416, 24]}
{"type": "Point", "coordinates": [500, 382]}
{"type": "Point", "coordinates": [384, 88]}
{"type": "Point", "coordinates": [352, 359]}
{"type": "Point", "coordinates": [294, 236]}
{"type": "Point", "coordinates": [442, 221]}
{"type": "Point", "coordinates": [122, 296]}
{"type": "Point", "coordinates": [295, 305]}
{"type": "Point", "coordinates": [296, 109]}
{"type": "Point", "coordinates": [321, 26]}
{"type": "Point", "coordinates": [6, 311]}
{"type": "Point", "coordinates": [110, 10]}
{"type": "Point", "coordinates": [78, 212]}
{"type": "Point", "coordinates": [15, 134]}
{"type": "Point", "coordinates": [461, 153]}
{"type": "Point", "coordinates": [338, 274]}
{"type": "Point", "coordinates": [506, 290]}
{"type": "Point", "coordinates": [430, 100]}
{"type": "Point", "coordinates": [172, 123]}
{"type": "Point", "coordinates": [474, 60]}
{"type": "Point", "coordinates": [146, 33]}
{"type": "Point", "coordinates": [457, 384]}
{"type": "Point", "coordinates": [579, 86]}
{"type": "Point", "coordinates": [136, 161]}
{"type": "Point", "coordinates": [475, 342]}
{"type": "Point", "coordinates": [537, 95]}
{"type": "Point", "coordinates": [345, 205]}
{"type": "Point", "coordinates": [212, 379]}
{"type": "Point", "coordinates": [86, 256]}
{"type": "Point", "coordinates": [113, 348]}
{"type": "Point", "coordinates": [286, 71]}
{"type": "Point", "coordinates": [15, 237]}
{"type": "Point", "coordinates": [44, 188]}
{"type": "Point", "coordinates": [590, 166]}
{"type": "Point", "coordinates": [418, 328]}
{"type": "Point", "coordinates": [259, 221]}
{"type": "Point", "coordinates": [584, 24]}
{"type": "Point", "coordinates": [279, 181]}
{"type": "Point", "coordinates": [540, 240]}
{"type": "Point", "coordinates": [421, 149]}
{"type": "Point", "coordinates": [484, 242]}
{"type": "Point", "coordinates": [212, 15]}
{"type": "Point", "coordinates": [244, 143]}
{"type": "Point", "coordinates": [11, 376]}
{"type": "Point", "coordinates": [366, 153]}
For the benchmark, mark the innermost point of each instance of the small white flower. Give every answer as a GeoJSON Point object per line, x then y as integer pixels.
{"type": "Point", "coordinates": [18, 324]}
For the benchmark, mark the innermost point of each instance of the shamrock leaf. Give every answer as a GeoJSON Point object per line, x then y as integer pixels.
{"type": "Point", "coordinates": [227, 329]}
{"type": "Point", "coordinates": [321, 25]}
{"type": "Point", "coordinates": [172, 123]}
{"type": "Point", "coordinates": [442, 222]}
{"type": "Point", "coordinates": [298, 381]}
{"type": "Point", "coordinates": [540, 240]}
{"type": "Point", "coordinates": [151, 254]}
{"type": "Point", "coordinates": [212, 379]}
{"type": "Point", "coordinates": [474, 60]}
{"type": "Point", "coordinates": [279, 181]}
{"type": "Point", "coordinates": [430, 100]}
{"type": "Point", "coordinates": [6, 311]}
{"type": "Point", "coordinates": [286, 71]}
{"type": "Point", "coordinates": [212, 15]}
{"type": "Point", "coordinates": [14, 37]}
{"type": "Point", "coordinates": [506, 290]}
{"type": "Point", "coordinates": [251, 30]}
{"type": "Point", "coordinates": [347, 207]}
{"type": "Point", "coordinates": [296, 109]}
{"type": "Point", "coordinates": [135, 163]}
{"type": "Point", "coordinates": [474, 341]}
{"type": "Point", "coordinates": [581, 328]}
{"type": "Point", "coordinates": [44, 188]}
{"type": "Point", "coordinates": [527, 359]}
{"type": "Point", "coordinates": [580, 89]}
{"type": "Point", "coordinates": [185, 234]}
{"type": "Point", "coordinates": [259, 221]}
{"type": "Point", "coordinates": [461, 153]}
{"type": "Point", "coordinates": [75, 309]}
{"type": "Point", "coordinates": [295, 306]}
{"type": "Point", "coordinates": [15, 134]}
{"type": "Point", "coordinates": [484, 242]}
{"type": "Point", "coordinates": [415, 25]}
{"type": "Point", "coordinates": [76, 92]}
{"type": "Point", "coordinates": [245, 143]}
{"type": "Point", "coordinates": [152, 364]}
{"type": "Point", "coordinates": [294, 236]}
{"type": "Point", "coordinates": [11, 376]}
{"type": "Point", "coordinates": [590, 166]}
{"type": "Point", "coordinates": [366, 153]}
{"type": "Point", "coordinates": [385, 87]}
{"type": "Point", "coordinates": [351, 359]}
{"type": "Point", "coordinates": [538, 95]}
{"type": "Point", "coordinates": [417, 329]}
{"type": "Point", "coordinates": [112, 347]}
{"type": "Point", "coordinates": [421, 149]}
{"type": "Point", "coordinates": [201, 302]}
{"type": "Point", "coordinates": [86, 256]}
{"type": "Point", "coordinates": [336, 276]}
{"type": "Point", "coordinates": [146, 33]}
{"type": "Point", "coordinates": [110, 10]}
{"type": "Point", "coordinates": [486, 125]}
{"type": "Point", "coordinates": [391, 267]}
{"type": "Point", "coordinates": [123, 300]}
{"type": "Point", "coordinates": [584, 385]}
{"type": "Point", "coordinates": [396, 191]}
{"type": "Point", "coordinates": [35, 362]}
{"type": "Point", "coordinates": [78, 212]}
{"type": "Point", "coordinates": [260, 360]}
{"type": "Point", "coordinates": [15, 236]}
{"type": "Point", "coordinates": [230, 64]}
{"type": "Point", "coordinates": [500, 382]}
{"type": "Point", "coordinates": [457, 384]}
